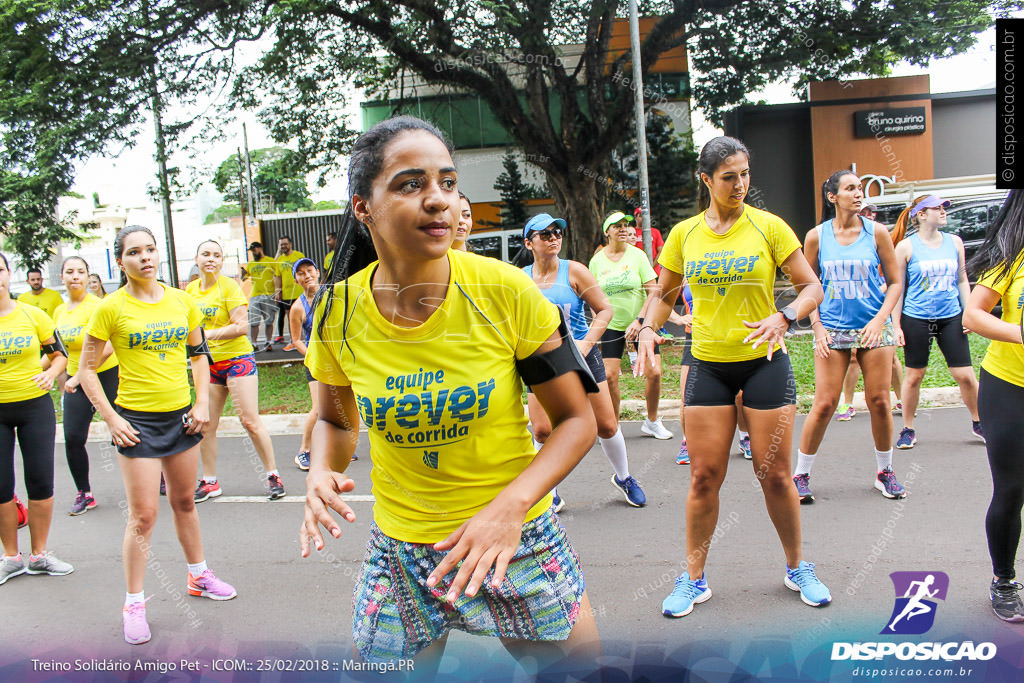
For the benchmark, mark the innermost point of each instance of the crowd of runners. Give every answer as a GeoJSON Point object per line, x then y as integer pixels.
{"type": "Point", "coordinates": [465, 535]}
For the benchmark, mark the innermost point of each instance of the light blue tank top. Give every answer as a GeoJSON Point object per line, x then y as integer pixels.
{"type": "Point", "coordinates": [932, 276]}
{"type": "Point", "coordinates": [850, 276]}
{"type": "Point", "coordinates": [564, 296]}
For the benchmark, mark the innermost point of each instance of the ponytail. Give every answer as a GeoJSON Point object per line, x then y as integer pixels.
{"type": "Point", "coordinates": [899, 231]}
{"type": "Point", "coordinates": [353, 252]}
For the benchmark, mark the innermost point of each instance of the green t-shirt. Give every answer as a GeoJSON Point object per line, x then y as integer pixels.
{"type": "Point", "coordinates": [623, 282]}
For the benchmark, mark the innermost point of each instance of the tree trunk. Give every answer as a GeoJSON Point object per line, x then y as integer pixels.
{"type": "Point", "coordinates": [580, 201]}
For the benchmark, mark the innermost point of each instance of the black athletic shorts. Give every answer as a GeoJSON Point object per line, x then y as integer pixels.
{"type": "Point", "coordinates": [596, 364]}
{"type": "Point", "coordinates": [948, 332]}
{"type": "Point", "coordinates": [613, 344]}
{"type": "Point", "coordinates": [686, 339]}
{"type": "Point", "coordinates": [765, 384]}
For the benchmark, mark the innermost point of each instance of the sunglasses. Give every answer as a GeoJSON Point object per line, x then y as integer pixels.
{"type": "Point", "coordinates": [550, 233]}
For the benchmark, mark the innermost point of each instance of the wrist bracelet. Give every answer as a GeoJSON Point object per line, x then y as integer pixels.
{"type": "Point", "coordinates": [646, 327]}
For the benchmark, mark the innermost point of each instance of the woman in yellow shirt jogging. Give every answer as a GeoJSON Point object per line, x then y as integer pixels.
{"type": "Point", "coordinates": [728, 254]}
{"type": "Point", "coordinates": [233, 371]}
{"type": "Point", "coordinates": [26, 409]}
{"type": "Point", "coordinates": [155, 330]}
{"type": "Point", "coordinates": [427, 346]}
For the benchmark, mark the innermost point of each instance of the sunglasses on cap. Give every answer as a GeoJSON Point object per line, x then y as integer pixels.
{"type": "Point", "coordinates": [547, 234]}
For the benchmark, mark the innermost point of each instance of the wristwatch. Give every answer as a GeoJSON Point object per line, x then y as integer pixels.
{"type": "Point", "coordinates": [789, 313]}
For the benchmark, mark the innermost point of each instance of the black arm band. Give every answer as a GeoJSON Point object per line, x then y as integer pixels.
{"type": "Point", "coordinates": [200, 349]}
{"type": "Point", "coordinates": [56, 346]}
{"type": "Point", "coordinates": [541, 367]}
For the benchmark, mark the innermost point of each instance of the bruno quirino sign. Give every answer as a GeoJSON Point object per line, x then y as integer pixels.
{"type": "Point", "coordinates": [885, 122]}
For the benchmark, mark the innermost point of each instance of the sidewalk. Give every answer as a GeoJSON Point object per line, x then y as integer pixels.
{"type": "Point", "coordinates": [279, 425]}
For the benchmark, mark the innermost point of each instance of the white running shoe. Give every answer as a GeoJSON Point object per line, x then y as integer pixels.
{"type": "Point", "coordinates": [655, 429]}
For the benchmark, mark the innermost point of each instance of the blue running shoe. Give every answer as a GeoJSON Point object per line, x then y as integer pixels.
{"type": "Point", "coordinates": [685, 595]}
{"type": "Point", "coordinates": [630, 487]}
{"type": "Point", "coordinates": [684, 455]}
{"type": "Point", "coordinates": [887, 484]}
{"type": "Point", "coordinates": [803, 488]}
{"type": "Point", "coordinates": [302, 460]}
{"type": "Point", "coordinates": [557, 503]}
{"type": "Point", "coordinates": [907, 439]}
{"type": "Point", "coordinates": [977, 430]}
{"type": "Point", "coordinates": [745, 447]}
{"type": "Point", "coordinates": [812, 591]}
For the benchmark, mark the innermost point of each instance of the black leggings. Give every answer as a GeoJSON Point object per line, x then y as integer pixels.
{"type": "Point", "coordinates": [35, 423]}
{"type": "Point", "coordinates": [283, 307]}
{"type": "Point", "coordinates": [78, 412]}
{"type": "Point", "coordinates": [1001, 405]}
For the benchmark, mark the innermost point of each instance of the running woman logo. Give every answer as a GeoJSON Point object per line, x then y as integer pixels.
{"type": "Point", "coordinates": [916, 594]}
{"type": "Point", "coordinates": [430, 459]}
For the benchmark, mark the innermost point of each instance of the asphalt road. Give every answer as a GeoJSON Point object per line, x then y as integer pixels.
{"type": "Point", "coordinates": [293, 608]}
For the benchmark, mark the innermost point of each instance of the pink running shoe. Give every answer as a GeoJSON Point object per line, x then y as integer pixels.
{"type": "Point", "coordinates": [136, 630]}
{"type": "Point", "coordinates": [206, 585]}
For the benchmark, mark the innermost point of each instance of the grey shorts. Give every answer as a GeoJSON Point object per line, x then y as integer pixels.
{"type": "Point", "coordinates": [262, 310]}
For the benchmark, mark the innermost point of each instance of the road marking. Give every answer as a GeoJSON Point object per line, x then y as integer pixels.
{"type": "Point", "coordinates": [285, 499]}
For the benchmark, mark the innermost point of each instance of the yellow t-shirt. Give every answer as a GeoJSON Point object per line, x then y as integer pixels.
{"type": "Point", "coordinates": [732, 278]}
{"type": "Point", "coordinates": [216, 304]}
{"type": "Point", "coordinates": [149, 340]}
{"type": "Point", "coordinates": [21, 333]}
{"type": "Point", "coordinates": [442, 401]}
{"type": "Point", "coordinates": [1005, 360]}
{"type": "Point", "coordinates": [262, 273]}
{"type": "Point", "coordinates": [47, 300]}
{"type": "Point", "coordinates": [71, 326]}
{"type": "Point", "coordinates": [327, 263]}
{"type": "Point", "coordinates": [289, 290]}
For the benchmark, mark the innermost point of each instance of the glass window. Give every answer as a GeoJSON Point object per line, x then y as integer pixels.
{"type": "Point", "coordinates": [486, 245]}
{"type": "Point", "coordinates": [969, 222]}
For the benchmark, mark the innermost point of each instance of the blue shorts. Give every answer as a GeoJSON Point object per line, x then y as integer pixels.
{"type": "Point", "coordinates": [395, 615]}
{"type": "Point", "coordinates": [221, 370]}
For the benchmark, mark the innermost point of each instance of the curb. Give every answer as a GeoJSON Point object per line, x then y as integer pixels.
{"type": "Point", "coordinates": [934, 397]}
{"type": "Point", "coordinates": [291, 424]}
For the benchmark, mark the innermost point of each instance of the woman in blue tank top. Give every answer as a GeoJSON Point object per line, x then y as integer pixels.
{"type": "Point", "coordinates": [851, 255]}
{"type": "Point", "coordinates": [933, 301]}
{"type": "Point", "coordinates": [300, 325]}
{"type": "Point", "coordinates": [569, 285]}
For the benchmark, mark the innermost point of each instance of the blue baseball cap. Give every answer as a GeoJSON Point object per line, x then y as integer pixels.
{"type": "Point", "coordinates": [301, 262]}
{"type": "Point", "coordinates": [540, 222]}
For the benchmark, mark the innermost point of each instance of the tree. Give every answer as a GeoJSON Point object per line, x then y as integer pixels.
{"type": "Point", "coordinates": [222, 213]}
{"type": "Point", "coordinates": [77, 79]}
{"type": "Point", "coordinates": [279, 174]}
{"type": "Point", "coordinates": [671, 172]}
{"type": "Point", "coordinates": [510, 55]}
{"type": "Point", "coordinates": [567, 109]}
{"type": "Point", "coordinates": [514, 192]}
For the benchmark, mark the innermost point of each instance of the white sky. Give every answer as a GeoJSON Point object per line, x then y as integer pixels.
{"type": "Point", "coordinates": [122, 179]}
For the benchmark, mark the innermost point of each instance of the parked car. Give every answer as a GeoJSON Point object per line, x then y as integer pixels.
{"type": "Point", "coordinates": [974, 204]}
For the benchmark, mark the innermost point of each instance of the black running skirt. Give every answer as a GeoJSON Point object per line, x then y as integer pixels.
{"type": "Point", "coordinates": [160, 434]}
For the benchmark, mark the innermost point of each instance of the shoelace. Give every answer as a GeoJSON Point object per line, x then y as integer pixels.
{"type": "Point", "coordinates": [135, 608]}
{"type": "Point", "coordinates": [803, 575]}
{"type": "Point", "coordinates": [686, 588]}
{"type": "Point", "coordinates": [1007, 590]}
{"type": "Point", "coordinates": [890, 479]}
{"type": "Point", "coordinates": [803, 481]}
